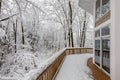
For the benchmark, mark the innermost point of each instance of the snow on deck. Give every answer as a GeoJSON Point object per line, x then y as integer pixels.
{"type": "Point", "coordinates": [75, 68]}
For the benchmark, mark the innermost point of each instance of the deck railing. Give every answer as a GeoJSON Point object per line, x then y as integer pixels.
{"type": "Point", "coordinates": [51, 70]}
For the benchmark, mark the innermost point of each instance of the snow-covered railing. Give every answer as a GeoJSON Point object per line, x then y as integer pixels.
{"type": "Point", "coordinates": [78, 50]}
{"type": "Point", "coordinates": [50, 72]}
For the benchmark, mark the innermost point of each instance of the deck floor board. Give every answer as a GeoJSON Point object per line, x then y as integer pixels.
{"type": "Point", "coordinates": [96, 72]}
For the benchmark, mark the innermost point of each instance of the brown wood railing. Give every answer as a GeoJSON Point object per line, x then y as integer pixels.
{"type": "Point", "coordinates": [52, 69]}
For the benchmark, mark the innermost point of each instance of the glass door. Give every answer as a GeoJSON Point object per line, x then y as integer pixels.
{"type": "Point", "coordinates": [106, 54]}
{"type": "Point", "coordinates": [97, 52]}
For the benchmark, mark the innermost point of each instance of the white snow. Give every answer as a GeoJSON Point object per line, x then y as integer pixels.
{"type": "Point", "coordinates": [2, 33]}
{"type": "Point", "coordinates": [18, 64]}
{"type": "Point", "coordinates": [75, 68]}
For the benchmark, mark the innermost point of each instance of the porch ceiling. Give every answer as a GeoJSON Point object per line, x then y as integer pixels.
{"type": "Point", "coordinates": [87, 5]}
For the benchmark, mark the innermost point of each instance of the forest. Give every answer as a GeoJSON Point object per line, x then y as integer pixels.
{"type": "Point", "coordinates": [31, 31]}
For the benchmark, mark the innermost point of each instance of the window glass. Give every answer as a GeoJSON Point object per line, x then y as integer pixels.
{"type": "Point", "coordinates": [106, 44]}
{"type": "Point", "coordinates": [106, 54]}
{"type": "Point", "coordinates": [106, 31]}
{"type": "Point", "coordinates": [97, 52]}
{"type": "Point", "coordinates": [97, 33]}
{"type": "Point", "coordinates": [105, 6]}
{"type": "Point", "coordinates": [98, 9]}
{"type": "Point", "coordinates": [97, 44]}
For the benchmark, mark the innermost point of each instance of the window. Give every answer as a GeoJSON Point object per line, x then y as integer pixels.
{"type": "Point", "coordinates": [97, 44]}
{"type": "Point", "coordinates": [102, 7]}
{"type": "Point", "coordinates": [102, 48]}
{"type": "Point", "coordinates": [105, 6]}
{"type": "Point", "coordinates": [106, 31]}
{"type": "Point", "coordinates": [106, 54]}
{"type": "Point", "coordinates": [106, 44]}
{"type": "Point", "coordinates": [97, 33]}
{"type": "Point", "coordinates": [98, 9]}
{"type": "Point", "coordinates": [97, 52]}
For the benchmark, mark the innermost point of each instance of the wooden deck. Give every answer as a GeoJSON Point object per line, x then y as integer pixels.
{"type": "Point", "coordinates": [50, 72]}
{"type": "Point", "coordinates": [96, 72]}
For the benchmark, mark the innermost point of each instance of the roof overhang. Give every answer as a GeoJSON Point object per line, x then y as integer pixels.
{"type": "Point", "coordinates": [87, 5]}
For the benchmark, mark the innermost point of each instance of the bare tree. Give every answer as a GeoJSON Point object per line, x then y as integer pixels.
{"type": "Point", "coordinates": [61, 16]}
{"type": "Point", "coordinates": [21, 19]}
{"type": "Point", "coordinates": [0, 5]}
{"type": "Point", "coordinates": [15, 34]}
{"type": "Point", "coordinates": [71, 42]}
{"type": "Point", "coordinates": [83, 34]}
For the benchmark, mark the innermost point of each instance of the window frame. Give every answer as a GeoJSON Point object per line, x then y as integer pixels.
{"type": "Point", "coordinates": [102, 8]}
{"type": "Point", "coordinates": [101, 15]}
{"type": "Point", "coordinates": [101, 37]}
{"type": "Point", "coordinates": [105, 56]}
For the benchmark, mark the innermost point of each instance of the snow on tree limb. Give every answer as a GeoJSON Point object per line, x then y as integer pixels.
{"type": "Point", "coordinates": [2, 33]}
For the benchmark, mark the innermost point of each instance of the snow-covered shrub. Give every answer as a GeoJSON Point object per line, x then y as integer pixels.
{"type": "Point", "coordinates": [5, 46]}
{"type": "Point", "coordinates": [2, 33]}
{"type": "Point", "coordinates": [33, 41]}
{"type": "Point", "coordinates": [18, 63]}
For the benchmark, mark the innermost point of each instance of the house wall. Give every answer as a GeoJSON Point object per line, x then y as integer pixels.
{"type": "Point", "coordinates": [98, 27]}
{"type": "Point", "coordinates": [115, 40]}
{"type": "Point", "coordinates": [94, 6]}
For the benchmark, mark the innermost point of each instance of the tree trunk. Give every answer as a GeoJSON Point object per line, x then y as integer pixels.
{"type": "Point", "coordinates": [23, 38]}
{"type": "Point", "coordinates": [14, 28]}
{"type": "Point", "coordinates": [70, 27]}
{"type": "Point", "coordinates": [15, 35]}
{"type": "Point", "coordinates": [22, 27]}
{"type": "Point", "coordinates": [69, 38]}
{"type": "Point", "coordinates": [0, 5]}
{"type": "Point", "coordinates": [83, 36]}
{"type": "Point", "coordinates": [65, 38]}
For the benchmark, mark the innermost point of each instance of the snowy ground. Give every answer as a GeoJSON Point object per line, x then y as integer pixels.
{"type": "Point", "coordinates": [75, 68]}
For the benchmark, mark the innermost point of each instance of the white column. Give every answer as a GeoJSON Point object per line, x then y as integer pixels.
{"type": "Point", "coordinates": [94, 9]}
{"type": "Point", "coordinates": [115, 40]}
